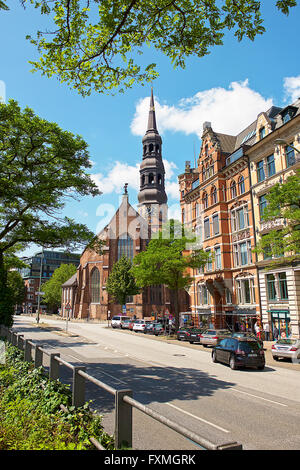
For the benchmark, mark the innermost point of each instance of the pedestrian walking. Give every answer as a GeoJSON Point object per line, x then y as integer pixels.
{"type": "Point", "coordinates": [267, 331]}
{"type": "Point", "coordinates": [275, 333]}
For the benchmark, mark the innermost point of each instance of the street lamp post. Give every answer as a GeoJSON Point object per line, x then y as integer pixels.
{"type": "Point", "coordinates": [39, 293]}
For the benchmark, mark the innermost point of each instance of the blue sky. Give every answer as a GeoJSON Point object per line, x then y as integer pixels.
{"type": "Point", "coordinates": [228, 88]}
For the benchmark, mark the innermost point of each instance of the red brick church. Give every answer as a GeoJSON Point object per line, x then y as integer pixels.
{"type": "Point", "coordinates": [128, 233]}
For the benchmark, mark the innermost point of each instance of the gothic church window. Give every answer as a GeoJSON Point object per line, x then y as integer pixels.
{"type": "Point", "coordinates": [95, 286]}
{"type": "Point", "coordinates": [125, 246]}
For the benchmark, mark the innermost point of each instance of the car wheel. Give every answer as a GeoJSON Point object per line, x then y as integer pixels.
{"type": "Point", "coordinates": [232, 363]}
{"type": "Point", "coordinates": [204, 345]}
{"type": "Point", "coordinates": [276, 358]}
{"type": "Point", "coordinates": [191, 342]}
{"type": "Point", "coordinates": [213, 356]}
{"type": "Point", "coordinates": [261, 367]}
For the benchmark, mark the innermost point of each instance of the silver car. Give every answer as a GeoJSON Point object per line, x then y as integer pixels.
{"type": "Point", "coordinates": [210, 337]}
{"type": "Point", "coordinates": [288, 347]}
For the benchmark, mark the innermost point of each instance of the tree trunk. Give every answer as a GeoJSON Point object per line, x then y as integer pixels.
{"type": "Point", "coordinates": [176, 308]}
{"type": "Point", "coordinates": [6, 297]}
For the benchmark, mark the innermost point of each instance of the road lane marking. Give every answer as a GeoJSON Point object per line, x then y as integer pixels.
{"type": "Point", "coordinates": [197, 417]}
{"type": "Point", "coordinates": [256, 396]}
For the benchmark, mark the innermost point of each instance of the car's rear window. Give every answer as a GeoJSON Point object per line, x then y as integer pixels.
{"type": "Point", "coordinates": [116, 318]}
{"type": "Point", "coordinates": [248, 346]}
{"type": "Point", "coordinates": [286, 341]}
{"type": "Point", "coordinates": [210, 332]}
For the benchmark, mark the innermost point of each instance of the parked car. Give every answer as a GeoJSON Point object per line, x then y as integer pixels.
{"type": "Point", "coordinates": [154, 329]}
{"type": "Point", "coordinates": [149, 327]}
{"type": "Point", "coordinates": [210, 337]}
{"type": "Point", "coordinates": [116, 321]}
{"type": "Point", "coordinates": [184, 332]}
{"type": "Point", "coordinates": [139, 325]}
{"type": "Point", "coordinates": [239, 352]}
{"type": "Point", "coordinates": [286, 347]}
{"type": "Point", "coordinates": [194, 335]}
{"type": "Point", "coordinates": [125, 323]}
{"type": "Point", "coordinates": [246, 334]}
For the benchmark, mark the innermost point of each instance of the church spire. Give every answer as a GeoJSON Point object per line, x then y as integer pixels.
{"type": "Point", "coordinates": [152, 196]}
{"type": "Point", "coordinates": [152, 118]}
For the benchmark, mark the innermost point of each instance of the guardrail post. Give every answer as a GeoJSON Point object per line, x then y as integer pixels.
{"type": "Point", "coordinates": [27, 354]}
{"type": "Point", "coordinates": [38, 356]}
{"type": "Point", "coordinates": [9, 335]}
{"type": "Point", "coordinates": [20, 341]}
{"type": "Point", "coordinates": [78, 390]}
{"type": "Point", "coordinates": [123, 420]}
{"type": "Point", "coordinates": [54, 366]}
{"type": "Point", "coordinates": [14, 338]}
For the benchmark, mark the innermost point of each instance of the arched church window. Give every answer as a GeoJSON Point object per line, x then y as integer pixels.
{"type": "Point", "coordinates": [157, 148]}
{"type": "Point", "coordinates": [214, 196]}
{"type": "Point", "coordinates": [151, 148]}
{"type": "Point", "coordinates": [159, 179]}
{"type": "Point", "coordinates": [151, 178]}
{"type": "Point", "coordinates": [205, 200]}
{"type": "Point", "coordinates": [143, 180]}
{"type": "Point", "coordinates": [145, 149]}
{"type": "Point", "coordinates": [125, 246]}
{"type": "Point", "coordinates": [95, 286]}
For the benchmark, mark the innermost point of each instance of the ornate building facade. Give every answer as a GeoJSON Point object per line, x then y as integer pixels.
{"type": "Point", "coordinates": [223, 199]}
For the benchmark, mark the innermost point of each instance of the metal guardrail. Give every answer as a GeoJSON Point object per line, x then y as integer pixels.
{"type": "Point", "coordinates": [124, 401]}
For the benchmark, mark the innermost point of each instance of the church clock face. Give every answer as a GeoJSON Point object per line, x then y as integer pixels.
{"type": "Point", "coordinates": [149, 210]}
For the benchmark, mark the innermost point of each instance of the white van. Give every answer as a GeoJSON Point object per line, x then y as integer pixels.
{"type": "Point", "coordinates": [116, 320]}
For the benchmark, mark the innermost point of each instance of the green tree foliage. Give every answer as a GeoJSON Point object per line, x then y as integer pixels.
{"type": "Point", "coordinates": [167, 261]}
{"type": "Point", "coordinates": [97, 44]}
{"type": "Point", "coordinates": [41, 166]}
{"type": "Point", "coordinates": [53, 289]}
{"type": "Point", "coordinates": [16, 284]}
{"type": "Point", "coordinates": [121, 283]}
{"type": "Point", "coordinates": [283, 202]}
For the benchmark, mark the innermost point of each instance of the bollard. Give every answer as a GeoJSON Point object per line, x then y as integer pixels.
{"type": "Point", "coordinates": [27, 354]}
{"type": "Point", "coordinates": [54, 367]}
{"type": "Point", "coordinates": [123, 420]}
{"type": "Point", "coordinates": [38, 356]}
{"type": "Point", "coordinates": [78, 391]}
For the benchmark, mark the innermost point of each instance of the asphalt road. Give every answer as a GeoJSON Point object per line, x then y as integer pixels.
{"type": "Point", "coordinates": [260, 409]}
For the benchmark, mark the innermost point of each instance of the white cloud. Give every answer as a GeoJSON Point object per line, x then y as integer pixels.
{"type": "Point", "coordinates": [229, 110]}
{"type": "Point", "coordinates": [120, 173]}
{"type": "Point", "coordinates": [292, 88]}
{"type": "Point", "coordinates": [2, 92]}
{"type": "Point", "coordinates": [117, 176]}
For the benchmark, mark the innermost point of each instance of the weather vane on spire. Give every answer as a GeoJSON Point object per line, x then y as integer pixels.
{"type": "Point", "coordinates": [125, 188]}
